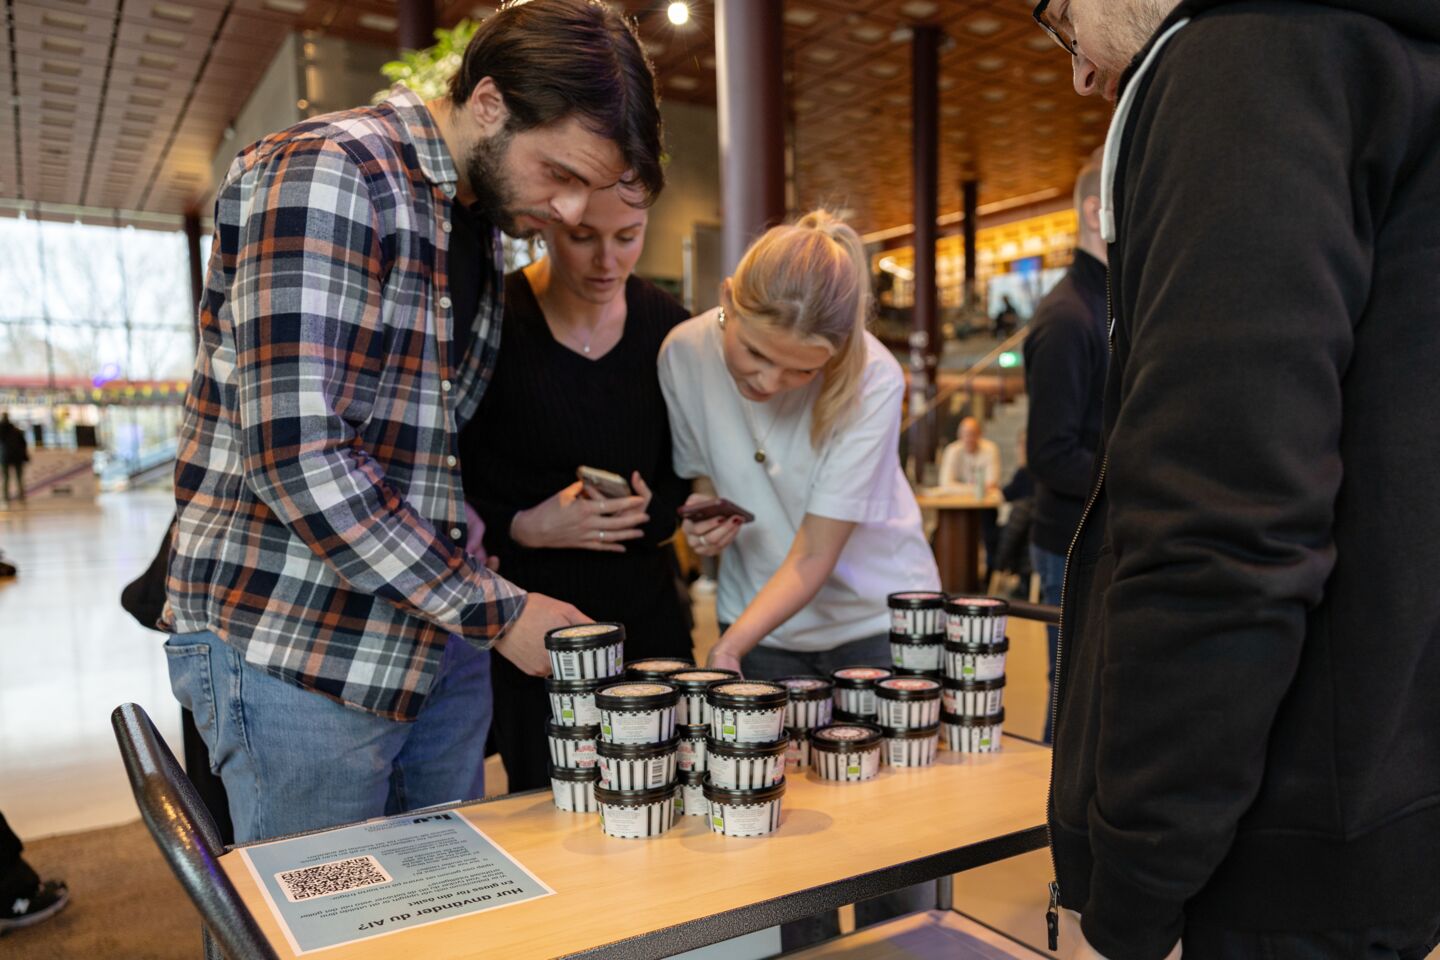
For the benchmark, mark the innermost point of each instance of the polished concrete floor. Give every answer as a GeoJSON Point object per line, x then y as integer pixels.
{"type": "Point", "coordinates": [69, 655]}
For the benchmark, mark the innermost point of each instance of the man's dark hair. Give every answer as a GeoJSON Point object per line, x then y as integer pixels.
{"type": "Point", "coordinates": [552, 59]}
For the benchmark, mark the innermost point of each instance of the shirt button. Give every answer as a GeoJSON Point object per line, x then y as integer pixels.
{"type": "Point", "coordinates": [445, 386]}
{"type": "Point", "coordinates": [445, 302]}
{"type": "Point", "coordinates": [445, 225]}
{"type": "Point", "coordinates": [450, 461]}
{"type": "Point", "coordinates": [455, 533]}
{"type": "Point", "coordinates": [448, 190]}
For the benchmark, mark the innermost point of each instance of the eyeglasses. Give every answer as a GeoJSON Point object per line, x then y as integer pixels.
{"type": "Point", "coordinates": [1058, 27]}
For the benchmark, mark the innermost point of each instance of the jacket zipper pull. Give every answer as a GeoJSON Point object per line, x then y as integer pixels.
{"type": "Point", "coordinates": [1052, 916]}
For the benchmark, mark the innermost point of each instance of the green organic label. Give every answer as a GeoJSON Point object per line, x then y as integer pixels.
{"type": "Point", "coordinates": [968, 671]}
{"type": "Point", "coordinates": [567, 714]}
{"type": "Point", "coordinates": [853, 770]}
{"type": "Point", "coordinates": [605, 729]}
{"type": "Point", "coordinates": [898, 658]}
{"type": "Point", "coordinates": [984, 741]}
{"type": "Point", "coordinates": [719, 822]}
{"type": "Point", "coordinates": [680, 802]}
{"type": "Point", "coordinates": [728, 730]}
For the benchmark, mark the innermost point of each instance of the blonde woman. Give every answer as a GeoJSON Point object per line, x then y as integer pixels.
{"type": "Point", "coordinates": [789, 408]}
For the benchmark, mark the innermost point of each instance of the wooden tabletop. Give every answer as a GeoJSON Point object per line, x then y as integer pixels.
{"type": "Point", "coordinates": [955, 498]}
{"type": "Point", "coordinates": [696, 887]}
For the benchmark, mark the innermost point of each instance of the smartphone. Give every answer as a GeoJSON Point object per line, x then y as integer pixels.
{"type": "Point", "coordinates": [608, 484]}
{"type": "Point", "coordinates": [710, 509]}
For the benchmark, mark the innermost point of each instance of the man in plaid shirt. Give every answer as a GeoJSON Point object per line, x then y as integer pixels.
{"type": "Point", "coordinates": [331, 604]}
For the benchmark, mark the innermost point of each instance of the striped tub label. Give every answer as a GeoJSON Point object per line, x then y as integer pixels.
{"type": "Point", "coordinates": [574, 709]}
{"type": "Point", "coordinates": [745, 819]}
{"type": "Point", "coordinates": [596, 664]}
{"type": "Point", "coordinates": [653, 725]}
{"type": "Point", "coordinates": [572, 753]}
{"type": "Point", "coordinates": [747, 726]}
{"type": "Point", "coordinates": [637, 822]}
{"type": "Point", "coordinates": [643, 774]}
{"type": "Point", "coordinates": [911, 752]}
{"type": "Point", "coordinates": [745, 773]}
{"type": "Point", "coordinates": [846, 766]}
{"type": "Point", "coordinates": [574, 796]}
{"type": "Point", "coordinates": [908, 714]}
{"type": "Point", "coordinates": [974, 666]}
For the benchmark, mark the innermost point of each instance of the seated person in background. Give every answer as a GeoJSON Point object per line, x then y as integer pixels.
{"type": "Point", "coordinates": [974, 463]}
{"type": "Point", "coordinates": [576, 385]}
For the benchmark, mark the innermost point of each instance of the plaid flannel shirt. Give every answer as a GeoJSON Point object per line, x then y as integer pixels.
{"type": "Point", "coordinates": [321, 526]}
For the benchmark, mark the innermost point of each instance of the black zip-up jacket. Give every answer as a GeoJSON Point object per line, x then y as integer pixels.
{"type": "Point", "coordinates": [1065, 360]}
{"type": "Point", "coordinates": [1249, 705]}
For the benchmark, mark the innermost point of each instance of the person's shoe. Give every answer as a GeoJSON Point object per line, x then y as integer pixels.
{"type": "Point", "coordinates": [48, 899]}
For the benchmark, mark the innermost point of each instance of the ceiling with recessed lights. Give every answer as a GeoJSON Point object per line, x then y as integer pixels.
{"type": "Point", "coordinates": [121, 104]}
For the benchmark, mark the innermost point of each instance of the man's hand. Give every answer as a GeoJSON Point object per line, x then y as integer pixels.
{"type": "Point", "coordinates": [475, 538]}
{"type": "Point", "coordinates": [524, 643]}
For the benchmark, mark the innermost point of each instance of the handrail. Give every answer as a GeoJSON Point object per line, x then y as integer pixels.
{"type": "Point", "coordinates": [1025, 610]}
{"type": "Point", "coordinates": [966, 378]}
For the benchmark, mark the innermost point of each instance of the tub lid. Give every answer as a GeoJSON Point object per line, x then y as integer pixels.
{"type": "Point", "coordinates": [908, 688]}
{"type": "Point", "coordinates": [636, 695]}
{"type": "Point", "coordinates": [993, 720]}
{"type": "Point", "coordinates": [574, 774]}
{"type": "Point", "coordinates": [807, 687]}
{"type": "Point", "coordinates": [562, 732]}
{"type": "Point", "coordinates": [743, 797]}
{"type": "Point", "coordinates": [978, 649]}
{"type": "Point", "coordinates": [702, 677]}
{"type": "Point", "coordinates": [657, 667]}
{"type": "Point", "coordinates": [919, 640]}
{"type": "Point", "coordinates": [860, 676]}
{"type": "Point", "coordinates": [916, 600]}
{"type": "Point", "coordinates": [634, 798]}
{"type": "Point", "coordinates": [845, 737]}
{"type": "Point", "coordinates": [584, 636]}
{"type": "Point", "coordinates": [747, 694]}
{"type": "Point", "coordinates": [971, 685]}
{"type": "Point", "coordinates": [977, 606]}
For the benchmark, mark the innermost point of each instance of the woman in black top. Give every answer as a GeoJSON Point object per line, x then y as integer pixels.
{"type": "Point", "coordinates": [576, 385]}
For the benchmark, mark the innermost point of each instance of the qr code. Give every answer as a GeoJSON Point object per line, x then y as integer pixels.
{"type": "Point", "coordinates": [337, 876]}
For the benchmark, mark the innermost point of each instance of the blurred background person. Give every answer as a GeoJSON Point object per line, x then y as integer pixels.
{"type": "Point", "coordinates": [973, 462]}
{"type": "Point", "coordinates": [1066, 354]}
{"type": "Point", "coordinates": [576, 385]}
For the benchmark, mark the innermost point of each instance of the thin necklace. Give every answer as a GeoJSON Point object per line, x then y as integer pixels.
{"type": "Point", "coordinates": [570, 334]}
{"type": "Point", "coordinates": [760, 455]}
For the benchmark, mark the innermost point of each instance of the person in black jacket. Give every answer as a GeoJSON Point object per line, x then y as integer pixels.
{"type": "Point", "coordinates": [14, 454]}
{"type": "Point", "coordinates": [1065, 359]}
{"type": "Point", "coordinates": [1247, 752]}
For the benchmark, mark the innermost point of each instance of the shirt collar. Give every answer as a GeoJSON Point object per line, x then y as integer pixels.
{"type": "Point", "coordinates": [435, 160]}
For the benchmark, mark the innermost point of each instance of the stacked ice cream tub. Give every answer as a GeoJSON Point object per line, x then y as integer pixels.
{"type": "Point", "coordinates": [974, 673]}
{"type": "Point", "coordinates": [692, 719]}
{"type": "Point", "coordinates": [745, 756]}
{"type": "Point", "coordinates": [583, 658]}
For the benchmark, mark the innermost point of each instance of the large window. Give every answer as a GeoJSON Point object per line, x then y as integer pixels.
{"type": "Point", "coordinates": [82, 303]}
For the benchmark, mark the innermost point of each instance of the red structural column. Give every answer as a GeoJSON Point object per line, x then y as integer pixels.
{"type": "Point", "coordinates": [749, 53]}
{"type": "Point", "coordinates": [925, 182]}
{"type": "Point", "coordinates": [415, 24]}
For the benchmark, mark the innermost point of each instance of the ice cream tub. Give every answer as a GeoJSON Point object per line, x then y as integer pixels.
{"type": "Point", "coordinates": [810, 702]}
{"type": "Point", "coordinates": [636, 712]}
{"type": "Point", "coordinates": [574, 788]}
{"type": "Point", "coordinates": [844, 716]}
{"type": "Point", "coordinates": [846, 751]}
{"type": "Point", "coordinates": [973, 698]}
{"type": "Point", "coordinates": [917, 613]}
{"type": "Point", "coordinates": [972, 734]}
{"type": "Point", "coordinates": [976, 620]}
{"type": "Point", "coordinates": [917, 653]}
{"type": "Point", "coordinates": [973, 661]}
{"type": "Point", "coordinates": [637, 766]}
{"type": "Point", "coordinates": [690, 796]}
{"type": "Point", "coordinates": [908, 703]}
{"type": "Point", "coordinates": [571, 746]}
{"type": "Point", "coordinates": [692, 685]}
{"type": "Point", "coordinates": [636, 814]}
{"type": "Point", "coordinates": [797, 754]}
{"type": "Point", "coordinates": [855, 689]}
{"type": "Point", "coordinates": [690, 755]}
{"type": "Point", "coordinates": [572, 702]}
{"type": "Point", "coordinates": [657, 668]}
{"type": "Point", "coordinates": [586, 651]}
{"type": "Point", "coordinates": [911, 748]}
{"type": "Point", "coordinates": [746, 766]}
{"type": "Point", "coordinates": [744, 813]}
{"type": "Point", "coordinates": [746, 711]}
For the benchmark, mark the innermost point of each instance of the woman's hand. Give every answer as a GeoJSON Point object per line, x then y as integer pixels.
{"type": "Point", "coordinates": [722, 659]}
{"type": "Point", "coordinates": [570, 520]}
{"type": "Point", "coordinates": [709, 538]}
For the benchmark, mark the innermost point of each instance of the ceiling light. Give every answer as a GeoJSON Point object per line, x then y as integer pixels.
{"type": "Point", "coordinates": [679, 13]}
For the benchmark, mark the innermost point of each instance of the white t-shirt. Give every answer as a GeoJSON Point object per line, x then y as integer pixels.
{"type": "Point", "coordinates": [854, 476]}
{"type": "Point", "coordinates": [958, 467]}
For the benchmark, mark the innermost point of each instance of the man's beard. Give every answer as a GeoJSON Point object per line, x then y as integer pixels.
{"type": "Point", "coordinates": [494, 194]}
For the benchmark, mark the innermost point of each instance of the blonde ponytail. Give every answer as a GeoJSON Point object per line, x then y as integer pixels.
{"type": "Point", "coordinates": [811, 279]}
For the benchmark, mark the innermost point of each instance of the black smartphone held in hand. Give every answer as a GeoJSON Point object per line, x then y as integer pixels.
{"type": "Point", "coordinates": [607, 484]}
{"type": "Point", "coordinates": [711, 509]}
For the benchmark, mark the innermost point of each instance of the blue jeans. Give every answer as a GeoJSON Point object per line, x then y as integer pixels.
{"type": "Point", "coordinates": [295, 760]}
{"type": "Point", "coordinates": [1051, 567]}
{"type": "Point", "coordinates": [767, 663]}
